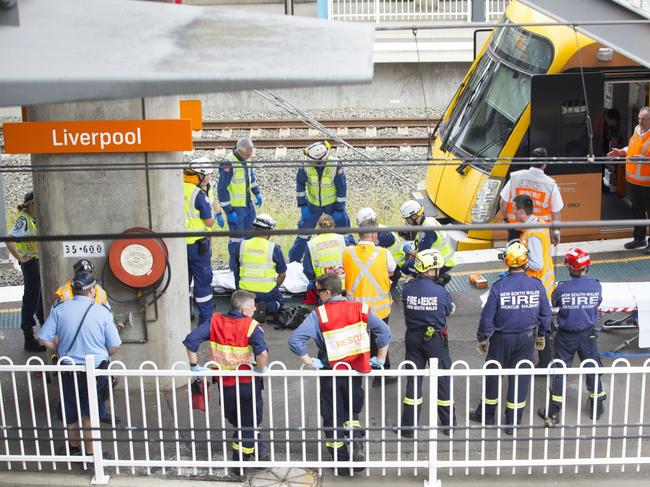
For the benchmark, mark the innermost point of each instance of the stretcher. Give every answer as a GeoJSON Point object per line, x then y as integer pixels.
{"type": "Point", "coordinates": [223, 281]}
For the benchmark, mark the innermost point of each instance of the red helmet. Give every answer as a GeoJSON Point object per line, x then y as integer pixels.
{"type": "Point", "coordinates": [577, 259]}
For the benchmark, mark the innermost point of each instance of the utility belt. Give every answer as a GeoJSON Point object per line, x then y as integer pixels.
{"type": "Point", "coordinates": [102, 365]}
{"type": "Point", "coordinates": [429, 332]}
{"type": "Point", "coordinates": [592, 331]}
{"type": "Point", "coordinates": [203, 245]}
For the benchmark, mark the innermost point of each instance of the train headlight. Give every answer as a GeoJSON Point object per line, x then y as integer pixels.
{"type": "Point", "coordinates": [486, 201]}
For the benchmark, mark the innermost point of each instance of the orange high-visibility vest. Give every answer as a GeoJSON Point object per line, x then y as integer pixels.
{"type": "Point", "coordinates": [345, 329]}
{"type": "Point", "coordinates": [635, 172]}
{"type": "Point", "coordinates": [540, 188]}
{"type": "Point", "coordinates": [366, 277]}
{"type": "Point", "coordinates": [230, 347]}
{"type": "Point", "coordinates": [64, 293]}
{"type": "Point", "coordinates": [547, 273]}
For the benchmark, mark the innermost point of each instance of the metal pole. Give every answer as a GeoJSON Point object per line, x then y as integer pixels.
{"type": "Point", "coordinates": [432, 477]}
{"type": "Point", "coordinates": [288, 7]}
{"type": "Point", "coordinates": [4, 253]}
{"type": "Point", "coordinates": [100, 478]}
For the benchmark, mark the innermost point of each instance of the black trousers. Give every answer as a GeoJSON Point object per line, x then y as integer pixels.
{"type": "Point", "coordinates": [640, 196]}
{"type": "Point", "coordinates": [32, 298]}
{"type": "Point", "coordinates": [419, 352]}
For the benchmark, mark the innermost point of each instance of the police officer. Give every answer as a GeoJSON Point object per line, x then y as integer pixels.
{"type": "Point", "coordinates": [236, 342]}
{"type": "Point", "coordinates": [324, 254]}
{"type": "Point", "coordinates": [320, 188]}
{"type": "Point", "coordinates": [238, 192]}
{"type": "Point", "coordinates": [26, 253]}
{"type": "Point", "coordinates": [200, 217]}
{"type": "Point", "coordinates": [577, 300]}
{"type": "Point", "coordinates": [426, 307]}
{"type": "Point", "coordinates": [514, 322]}
{"type": "Point", "coordinates": [413, 214]}
{"type": "Point", "coordinates": [340, 329]}
{"type": "Point", "coordinates": [65, 292]}
{"type": "Point", "coordinates": [74, 329]}
{"type": "Point", "coordinates": [260, 267]}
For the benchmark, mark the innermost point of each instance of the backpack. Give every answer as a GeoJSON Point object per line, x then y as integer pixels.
{"type": "Point", "coordinates": [290, 317]}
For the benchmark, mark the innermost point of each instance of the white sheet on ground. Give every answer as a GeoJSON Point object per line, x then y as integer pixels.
{"type": "Point", "coordinates": [295, 283]}
{"type": "Point", "coordinates": [618, 295]}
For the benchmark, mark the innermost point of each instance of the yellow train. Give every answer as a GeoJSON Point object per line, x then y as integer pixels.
{"type": "Point", "coordinates": [526, 89]}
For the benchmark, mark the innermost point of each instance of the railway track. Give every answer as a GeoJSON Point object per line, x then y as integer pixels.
{"type": "Point", "coordinates": [297, 143]}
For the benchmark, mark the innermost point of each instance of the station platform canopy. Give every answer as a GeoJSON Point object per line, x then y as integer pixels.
{"type": "Point", "coordinates": [627, 39]}
{"type": "Point", "coordinates": [74, 50]}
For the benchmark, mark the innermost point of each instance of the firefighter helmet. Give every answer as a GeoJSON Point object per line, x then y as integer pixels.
{"type": "Point", "coordinates": [427, 260]}
{"type": "Point", "coordinates": [515, 255]}
{"type": "Point", "coordinates": [577, 259]}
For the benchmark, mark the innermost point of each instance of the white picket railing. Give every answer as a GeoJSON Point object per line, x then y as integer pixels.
{"type": "Point", "coordinates": [494, 9]}
{"type": "Point", "coordinates": [160, 432]}
{"type": "Point", "coordinates": [398, 10]}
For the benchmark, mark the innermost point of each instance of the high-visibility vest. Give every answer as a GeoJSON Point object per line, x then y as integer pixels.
{"type": "Point", "coordinates": [344, 325]}
{"type": "Point", "coordinates": [256, 267]}
{"type": "Point", "coordinates": [64, 293]}
{"type": "Point", "coordinates": [326, 251]}
{"type": "Point", "coordinates": [28, 248]}
{"type": "Point", "coordinates": [321, 191]}
{"type": "Point", "coordinates": [237, 186]}
{"type": "Point", "coordinates": [229, 345]}
{"type": "Point", "coordinates": [366, 277]}
{"type": "Point", "coordinates": [639, 146]}
{"type": "Point", "coordinates": [193, 221]}
{"type": "Point", "coordinates": [547, 273]}
{"type": "Point", "coordinates": [442, 243]}
{"type": "Point", "coordinates": [396, 249]}
{"type": "Point", "coordinates": [540, 188]}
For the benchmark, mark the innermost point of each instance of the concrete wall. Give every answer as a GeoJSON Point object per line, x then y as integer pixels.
{"type": "Point", "coordinates": [393, 86]}
{"type": "Point", "coordinates": [96, 201]}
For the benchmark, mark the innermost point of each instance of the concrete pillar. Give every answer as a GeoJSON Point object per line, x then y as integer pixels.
{"type": "Point", "coordinates": [96, 201]}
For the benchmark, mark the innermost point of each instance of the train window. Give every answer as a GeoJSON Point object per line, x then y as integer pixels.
{"type": "Point", "coordinates": [522, 48]}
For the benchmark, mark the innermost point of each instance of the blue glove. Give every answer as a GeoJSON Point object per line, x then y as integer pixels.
{"type": "Point", "coordinates": [220, 221]}
{"type": "Point", "coordinates": [260, 370]}
{"type": "Point", "coordinates": [375, 363]}
{"type": "Point", "coordinates": [233, 218]}
{"type": "Point", "coordinates": [198, 368]}
{"type": "Point", "coordinates": [258, 200]}
{"type": "Point", "coordinates": [305, 213]}
{"type": "Point", "coordinates": [316, 363]}
{"type": "Point", "coordinates": [408, 246]}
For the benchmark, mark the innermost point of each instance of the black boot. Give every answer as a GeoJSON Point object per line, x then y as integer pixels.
{"type": "Point", "coordinates": [600, 408]}
{"type": "Point", "coordinates": [551, 417]}
{"type": "Point", "coordinates": [31, 344]}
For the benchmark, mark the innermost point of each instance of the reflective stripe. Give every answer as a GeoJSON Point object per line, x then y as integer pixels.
{"type": "Point", "coordinates": [251, 328]}
{"type": "Point", "coordinates": [256, 267]}
{"type": "Point", "coordinates": [556, 398]}
{"type": "Point", "coordinates": [224, 203]}
{"type": "Point", "coordinates": [334, 444]}
{"type": "Point", "coordinates": [413, 402]}
{"type": "Point", "coordinates": [237, 186]}
{"type": "Point", "coordinates": [361, 284]}
{"type": "Point", "coordinates": [442, 243]}
{"type": "Point", "coordinates": [301, 194]}
{"type": "Point", "coordinates": [355, 423]}
{"type": "Point", "coordinates": [599, 395]}
{"type": "Point", "coordinates": [341, 200]}
{"type": "Point", "coordinates": [239, 447]}
{"type": "Point", "coordinates": [203, 299]}
{"type": "Point", "coordinates": [323, 313]}
{"type": "Point", "coordinates": [347, 341]}
{"type": "Point", "coordinates": [491, 402]}
{"type": "Point", "coordinates": [321, 191]}
{"type": "Point", "coordinates": [326, 252]}
{"type": "Point", "coordinates": [513, 405]}
{"type": "Point", "coordinates": [445, 403]}
{"type": "Point", "coordinates": [193, 221]}
{"type": "Point", "coordinates": [547, 273]}
{"type": "Point", "coordinates": [230, 357]}
{"type": "Point", "coordinates": [28, 248]}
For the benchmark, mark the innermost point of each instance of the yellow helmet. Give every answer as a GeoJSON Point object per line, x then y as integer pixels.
{"type": "Point", "coordinates": [427, 260]}
{"type": "Point", "coordinates": [515, 255]}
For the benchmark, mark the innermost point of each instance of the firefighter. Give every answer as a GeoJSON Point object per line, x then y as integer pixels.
{"type": "Point", "coordinates": [65, 292]}
{"type": "Point", "coordinates": [413, 214]}
{"type": "Point", "coordinates": [426, 307]}
{"type": "Point", "coordinates": [320, 188]}
{"type": "Point", "coordinates": [577, 300]}
{"type": "Point", "coordinates": [238, 192]}
{"type": "Point", "coordinates": [200, 217]}
{"type": "Point", "coordinates": [236, 341]}
{"type": "Point", "coordinates": [340, 329]}
{"type": "Point", "coordinates": [324, 254]}
{"type": "Point", "coordinates": [515, 321]}
{"type": "Point", "coordinates": [260, 267]}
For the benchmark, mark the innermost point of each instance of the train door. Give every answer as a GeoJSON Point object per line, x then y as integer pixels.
{"type": "Point", "coordinates": [558, 123]}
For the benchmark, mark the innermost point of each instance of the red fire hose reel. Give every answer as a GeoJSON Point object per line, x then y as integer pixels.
{"type": "Point", "coordinates": [139, 263]}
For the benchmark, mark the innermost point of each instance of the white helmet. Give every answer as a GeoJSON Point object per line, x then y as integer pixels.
{"type": "Point", "coordinates": [411, 208]}
{"type": "Point", "coordinates": [264, 221]}
{"type": "Point", "coordinates": [202, 165]}
{"type": "Point", "coordinates": [366, 214]}
{"type": "Point", "coordinates": [318, 150]}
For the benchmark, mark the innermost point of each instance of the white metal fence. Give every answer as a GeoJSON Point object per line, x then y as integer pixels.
{"type": "Point", "coordinates": [397, 10]}
{"type": "Point", "coordinates": [161, 433]}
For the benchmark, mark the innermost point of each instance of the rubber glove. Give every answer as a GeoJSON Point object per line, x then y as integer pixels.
{"type": "Point", "coordinates": [316, 363]}
{"type": "Point", "coordinates": [258, 200]}
{"type": "Point", "coordinates": [233, 219]}
{"type": "Point", "coordinates": [260, 370]}
{"type": "Point", "coordinates": [198, 368]}
{"type": "Point", "coordinates": [540, 343]}
{"type": "Point", "coordinates": [408, 247]}
{"type": "Point", "coordinates": [482, 347]}
{"type": "Point", "coordinates": [375, 363]}
{"type": "Point", "coordinates": [305, 214]}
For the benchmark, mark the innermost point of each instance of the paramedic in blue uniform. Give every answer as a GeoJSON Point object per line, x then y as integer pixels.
{"type": "Point", "coordinates": [426, 308]}
{"type": "Point", "coordinates": [200, 216]}
{"type": "Point", "coordinates": [514, 323]}
{"type": "Point", "coordinates": [320, 188]}
{"type": "Point", "coordinates": [238, 191]}
{"type": "Point", "coordinates": [334, 316]}
{"type": "Point", "coordinates": [26, 253]}
{"type": "Point", "coordinates": [577, 301]}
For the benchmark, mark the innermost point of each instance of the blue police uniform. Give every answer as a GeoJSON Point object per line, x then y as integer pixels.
{"type": "Point", "coordinates": [199, 262]}
{"type": "Point", "coordinates": [245, 212]}
{"type": "Point", "coordinates": [273, 298]}
{"type": "Point", "coordinates": [97, 334]}
{"type": "Point", "coordinates": [578, 300]}
{"type": "Point", "coordinates": [426, 307]}
{"type": "Point", "coordinates": [336, 209]}
{"type": "Point", "coordinates": [310, 329]}
{"type": "Point", "coordinates": [516, 310]}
